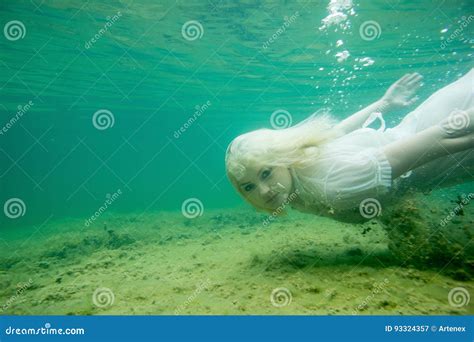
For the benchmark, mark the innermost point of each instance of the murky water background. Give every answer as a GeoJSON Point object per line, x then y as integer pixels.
{"type": "Point", "coordinates": [125, 109]}
{"type": "Point", "coordinates": [151, 78]}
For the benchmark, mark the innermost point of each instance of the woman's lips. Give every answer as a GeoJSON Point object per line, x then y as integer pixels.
{"type": "Point", "coordinates": [272, 198]}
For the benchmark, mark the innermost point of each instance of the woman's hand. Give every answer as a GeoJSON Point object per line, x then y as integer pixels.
{"type": "Point", "coordinates": [402, 92]}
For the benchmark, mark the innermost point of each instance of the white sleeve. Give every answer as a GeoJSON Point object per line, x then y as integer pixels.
{"type": "Point", "coordinates": [354, 175]}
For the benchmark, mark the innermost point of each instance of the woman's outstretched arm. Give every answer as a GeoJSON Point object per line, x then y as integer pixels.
{"type": "Point", "coordinates": [454, 134]}
{"type": "Point", "coordinates": [399, 94]}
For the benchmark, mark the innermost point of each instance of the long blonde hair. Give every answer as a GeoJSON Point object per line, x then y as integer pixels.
{"type": "Point", "coordinates": [294, 147]}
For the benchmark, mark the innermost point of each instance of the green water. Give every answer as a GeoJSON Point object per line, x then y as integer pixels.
{"type": "Point", "coordinates": [143, 70]}
{"type": "Point", "coordinates": [175, 101]}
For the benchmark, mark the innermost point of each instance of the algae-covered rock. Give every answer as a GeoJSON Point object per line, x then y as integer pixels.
{"type": "Point", "coordinates": [423, 234]}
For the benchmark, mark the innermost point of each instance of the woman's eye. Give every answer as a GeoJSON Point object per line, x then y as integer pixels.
{"type": "Point", "coordinates": [248, 187]}
{"type": "Point", "coordinates": [266, 173]}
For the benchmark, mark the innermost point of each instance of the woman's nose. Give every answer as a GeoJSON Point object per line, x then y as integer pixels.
{"type": "Point", "coordinates": [264, 189]}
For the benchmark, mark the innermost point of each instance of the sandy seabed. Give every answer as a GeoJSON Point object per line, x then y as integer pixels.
{"type": "Point", "coordinates": [224, 262]}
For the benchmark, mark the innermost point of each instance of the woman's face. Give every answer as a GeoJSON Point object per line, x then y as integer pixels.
{"type": "Point", "coordinates": [266, 186]}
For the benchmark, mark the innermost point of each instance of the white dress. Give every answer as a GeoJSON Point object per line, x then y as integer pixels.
{"type": "Point", "coordinates": [354, 168]}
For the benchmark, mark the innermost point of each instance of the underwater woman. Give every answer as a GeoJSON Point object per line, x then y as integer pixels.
{"type": "Point", "coordinates": [334, 169]}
